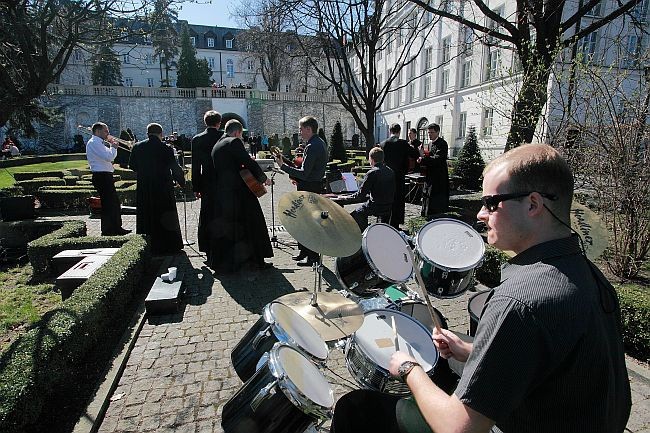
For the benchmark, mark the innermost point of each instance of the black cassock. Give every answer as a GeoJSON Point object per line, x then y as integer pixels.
{"type": "Point", "coordinates": [436, 194]}
{"type": "Point", "coordinates": [157, 169]}
{"type": "Point", "coordinates": [204, 181]}
{"type": "Point", "coordinates": [396, 156]}
{"type": "Point", "coordinates": [240, 235]}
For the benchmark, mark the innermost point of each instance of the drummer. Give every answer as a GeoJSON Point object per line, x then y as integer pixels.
{"type": "Point", "coordinates": [548, 352]}
{"type": "Point", "coordinates": [379, 187]}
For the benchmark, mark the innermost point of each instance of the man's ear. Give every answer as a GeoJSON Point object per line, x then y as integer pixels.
{"type": "Point", "coordinates": [536, 204]}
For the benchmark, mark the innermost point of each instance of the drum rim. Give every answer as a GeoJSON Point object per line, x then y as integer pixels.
{"type": "Point", "coordinates": [469, 302]}
{"type": "Point", "coordinates": [446, 268]}
{"type": "Point", "coordinates": [364, 249]}
{"type": "Point", "coordinates": [279, 331]}
{"type": "Point", "coordinates": [291, 391]}
{"type": "Point", "coordinates": [351, 339]}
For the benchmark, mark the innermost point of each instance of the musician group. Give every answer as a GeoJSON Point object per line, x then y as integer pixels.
{"type": "Point", "coordinates": [547, 354]}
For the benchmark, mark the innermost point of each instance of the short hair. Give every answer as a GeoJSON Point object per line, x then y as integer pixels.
{"type": "Point", "coordinates": [377, 154]}
{"type": "Point", "coordinates": [541, 168]}
{"type": "Point", "coordinates": [233, 125]}
{"type": "Point", "coordinates": [414, 131]}
{"type": "Point", "coordinates": [395, 128]}
{"type": "Point", "coordinates": [434, 126]}
{"type": "Point", "coordinates": [212, 118]}
{"type": "Point", "coordinates": [154, 129]}
{"type": "Point", "coordinates": [309, 122]}
{"type": "Point", "coordinates": [98, 126]}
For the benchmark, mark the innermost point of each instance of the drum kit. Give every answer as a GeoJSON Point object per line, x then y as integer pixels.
{"type": "Point", "coordinates": [281, 358]}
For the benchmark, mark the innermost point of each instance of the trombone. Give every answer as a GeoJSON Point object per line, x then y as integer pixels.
{"type": "Point", "coordinates": [126, 144]}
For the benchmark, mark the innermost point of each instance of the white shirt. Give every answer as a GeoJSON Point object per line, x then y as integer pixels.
{"type": "Point", "coordinates": [100, 157]}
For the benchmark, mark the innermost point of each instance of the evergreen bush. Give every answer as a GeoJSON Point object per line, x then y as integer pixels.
{"type": "Point", "coordinates": [337, 148]}
{"type": "Point", "coordinates": [469, 166]}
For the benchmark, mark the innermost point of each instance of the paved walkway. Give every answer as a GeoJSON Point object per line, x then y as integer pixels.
{"type": "Point", "coordinates": [179, 374]}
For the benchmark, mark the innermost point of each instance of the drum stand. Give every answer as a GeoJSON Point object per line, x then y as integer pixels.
{"type": "Point", "coordinates": [318, 280]}
{"type": "Point", "coordinates": [181, 159]}
{"type": "Point", "coordinates": [274, 238]}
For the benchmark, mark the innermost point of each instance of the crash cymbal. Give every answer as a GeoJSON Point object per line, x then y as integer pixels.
{"type": "Point", "coordinates": [591, 228]}
{"type": "Point", "coordinates": [319, 224]}
{"type": "Point", "coordinates": [334, 316]}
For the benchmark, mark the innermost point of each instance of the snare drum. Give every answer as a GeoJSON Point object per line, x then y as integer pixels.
{"type": "Point", "coordinates": [475, 309]}
{"type": "Point", "coordinates": [448, 252]}
{"type": "Point", "coordinates": [381, 261]}
{"type": "Point", "coordinates": [285, 395]}
{"type": "Point", "coordinates": [368, 351]}
{"type": "Point", "coordinates": [278, 323]}
{"type": "Point", "coordinates": [412, 305]}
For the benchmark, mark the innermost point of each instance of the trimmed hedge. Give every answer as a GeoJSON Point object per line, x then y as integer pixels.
{"type": "Point", "coordinates": [30, 187]}
{"type": "Point", "coordinates": [38, 249]}
{"type": "Point", "coordinates": [76, 197]}
{"type": "Point", "coordinates": [20, 233]}
{"type": "Point", "coordinates": [47, 356]}
{"type": "Point", "coordinates": [635, 314]}
{"type": "Point", "coordinates": [489, 273]}
{"type": "Point", "coordinates": [29, 175]}
{"type": "Point", "coordinates": [70, 180]}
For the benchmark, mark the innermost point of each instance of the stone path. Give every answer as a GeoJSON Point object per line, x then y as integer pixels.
{"type": "Point", "coordinates": [179, 373]}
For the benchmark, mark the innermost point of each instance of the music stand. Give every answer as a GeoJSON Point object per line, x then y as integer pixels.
{"type": "Point", "coordinates": [274, 237]}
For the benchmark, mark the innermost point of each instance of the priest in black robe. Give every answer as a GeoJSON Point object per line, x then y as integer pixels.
{"type": "Point", "coordinates": [157, 170]}
{"type": "Point", "coordinates": [240, 240]}
{"type": "Point", "coordinates": [435, 199]}
{"type": "Point", "coordinates": [204, 180]}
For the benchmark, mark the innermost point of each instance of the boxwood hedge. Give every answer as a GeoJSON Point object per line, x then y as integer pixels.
{"type": "Point", "coordinates": [635, 312]}
{"type": "Point", "coordinates": [30, 187]}
{"type": "Point", "coordinates": [48, 356]}
{"type": "Point", "coordinates": [28, 175]}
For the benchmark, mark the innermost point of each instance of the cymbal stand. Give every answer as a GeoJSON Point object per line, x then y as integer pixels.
{"type": "Point", "coordinates": [180, 160]}
{"type": "Point", "coordinates": [274, 237]}
{"type": "Point", "coordinates": [318, 280]}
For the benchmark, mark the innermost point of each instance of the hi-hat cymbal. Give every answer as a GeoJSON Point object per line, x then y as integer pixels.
{"type": "Point", "coordinates": [333, 317]}
{"type": "Point", "coordinates": [319, 224]}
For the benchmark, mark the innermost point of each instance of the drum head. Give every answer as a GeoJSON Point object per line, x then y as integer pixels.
{"type": "Point", "coordinates": [385, 249]}
{"type": "Point", "coordinates": [375, 338]}
{"type": "Point", "coordinates": [299, 330]}
{"type": "Point", "coordinates": [303, 375]}
{"type": "Point", "coordinates": [450, 244]}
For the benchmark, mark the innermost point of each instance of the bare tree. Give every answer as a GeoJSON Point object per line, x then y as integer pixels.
{"type": "Point", "coordinates": [537, 32]}
{"type": "Point", "coordinates": [343, 41]}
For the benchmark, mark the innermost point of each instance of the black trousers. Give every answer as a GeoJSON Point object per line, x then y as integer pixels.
{"type": "Point", "coordinates": [367, 209]}
{"type": "Point", "coordinates": [111, 212]}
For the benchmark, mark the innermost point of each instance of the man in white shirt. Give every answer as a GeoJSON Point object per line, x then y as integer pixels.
{"type": "Point", "coordinates": [100, 159]}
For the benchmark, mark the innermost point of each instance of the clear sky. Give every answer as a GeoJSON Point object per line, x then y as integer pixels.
{"type": "Point", "coordinates": [214, 13]}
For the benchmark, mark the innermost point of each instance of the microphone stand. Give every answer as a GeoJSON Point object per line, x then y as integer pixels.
{"type": "Point", "coordinates": [181, 161]}
{"type": "Point", "coordinates": [274, 238]}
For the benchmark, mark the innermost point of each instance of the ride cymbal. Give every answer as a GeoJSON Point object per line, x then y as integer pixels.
{"type": "Point", "coordinates": [333, 317]}
{"type": "Point", "coordinates": [319, 224]}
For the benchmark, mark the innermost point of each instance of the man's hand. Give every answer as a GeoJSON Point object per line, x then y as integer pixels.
{"type": "Point", "coordinates": [450, 345]}
{"type": "Point", "coordinates": [397, 359]}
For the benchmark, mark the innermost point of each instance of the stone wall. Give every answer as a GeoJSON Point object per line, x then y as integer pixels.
{"type": "Point", "coordinates": [184, 116]}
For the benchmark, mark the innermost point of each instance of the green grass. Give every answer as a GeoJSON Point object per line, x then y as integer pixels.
{"type": "Point", "coordinates": [22, 304]}
{"type": "Point", "coordinates": [6, 179]}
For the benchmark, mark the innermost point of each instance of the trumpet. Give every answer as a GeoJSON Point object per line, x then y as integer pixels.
{"type": "Point", "coordinates": [126, 144]}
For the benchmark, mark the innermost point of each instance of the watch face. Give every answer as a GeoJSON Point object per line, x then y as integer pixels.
{"type": "Point", "coordinates": [405, 368]}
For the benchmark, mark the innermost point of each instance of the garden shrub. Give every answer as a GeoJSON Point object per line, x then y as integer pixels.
{"type": "Point", "coordinates": [48, 356]}
{"type": "Point", "coordinates": [337, 147]}
{"type": "Point", "coordinates": [29, 175]}
{"type": "Point", "coordinates": [469, 166]}
{"type": "Point", "coordinates": [70, 180]}
{"type": "Point", "coordinates": [635, 315]}
{"type": "Point", "coordinates": [489, 273]}
{"type": "Point", "coordinates": [30, 187]}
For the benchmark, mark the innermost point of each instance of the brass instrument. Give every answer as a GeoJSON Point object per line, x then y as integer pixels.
{"type": "Point", "coordinates": [126, 144]}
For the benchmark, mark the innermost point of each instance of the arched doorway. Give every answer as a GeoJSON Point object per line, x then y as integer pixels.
{"type": "Point", "coordinates": [228, 116]}
{"type": "Point", "coordinates": [422, 129]}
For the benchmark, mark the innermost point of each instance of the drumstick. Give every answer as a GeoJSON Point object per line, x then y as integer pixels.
{"type": "Point", "coordinates": [423, 289]}
{"type": "Point", "coordinates": [392, 322]}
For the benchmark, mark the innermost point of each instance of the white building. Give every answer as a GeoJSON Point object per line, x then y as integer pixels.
{"type": "Point", "coordinates": [473, 84]}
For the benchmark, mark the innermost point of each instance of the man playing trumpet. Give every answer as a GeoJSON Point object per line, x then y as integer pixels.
{"type": "Point", "coordinates": [100, 159]}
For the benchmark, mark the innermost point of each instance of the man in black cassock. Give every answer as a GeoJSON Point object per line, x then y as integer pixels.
{"type": "Point", "coordinates": [240, 237]}
{"type": "Point", "coordinates": [203, 176]}
{"type": "Point", "coordinates": [435, 198]}
{"type": "Point", "coordinates": [157, 169]}
{"type": "Point", "coordinates": [396, 156]}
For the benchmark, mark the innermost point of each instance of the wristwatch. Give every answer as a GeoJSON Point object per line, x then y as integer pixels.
{"type": "Point", "coordinates": [405, 368]}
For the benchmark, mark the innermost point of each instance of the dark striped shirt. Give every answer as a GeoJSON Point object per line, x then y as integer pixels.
{"type": "Point", "coordinates": [548, 353]}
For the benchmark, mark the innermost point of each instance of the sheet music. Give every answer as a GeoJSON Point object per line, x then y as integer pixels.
{"type": "Point", "coordinates": [350, 182]}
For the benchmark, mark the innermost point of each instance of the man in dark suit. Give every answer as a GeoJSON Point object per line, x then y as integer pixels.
{"type": "Point", "coordinates": [379, 187]}
{"type": "Point", "coordinates": [203, 176]}
{"type": "Point", "coordinates": [436, 194]}
{"type": "Point", "coordinates": [309, 177]}
{"type": "Point", "coordinates": [396, 155]}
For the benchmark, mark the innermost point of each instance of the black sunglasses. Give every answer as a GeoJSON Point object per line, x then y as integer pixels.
{"type": "Point", "coordinates": [491, 202]}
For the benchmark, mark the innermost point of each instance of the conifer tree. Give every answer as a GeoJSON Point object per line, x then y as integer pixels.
{"type": "Point", "coordinates": [337, 148]}
{"type": "Point", "coordinates": [469, 166]}
{"type": "Point", "coordinates": [105, 70]}
{"type": "Point", "coordinates": [191, 71]}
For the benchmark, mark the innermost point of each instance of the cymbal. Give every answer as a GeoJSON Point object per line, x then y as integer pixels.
{"type": "Point", "coordinates": [591, 229]}
{"type": "Point", "coordinates": [319, 224]}
{"type": "Point", "coordinates": [333, 317]}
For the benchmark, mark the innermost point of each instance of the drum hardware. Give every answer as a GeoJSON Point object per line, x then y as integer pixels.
{"type": "Point", "coordinates": [418, 277]}
{"type": "Point", "coordinates": [267, 391]}
{"type": "Point", "coordinates": [274, 238]}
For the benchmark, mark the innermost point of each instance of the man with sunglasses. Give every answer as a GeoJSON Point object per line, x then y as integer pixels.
{"type": "Point", "coordinates": [548, 352]}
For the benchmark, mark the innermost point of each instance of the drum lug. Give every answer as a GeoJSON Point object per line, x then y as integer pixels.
{"type": "Point", "coordinates": [263, 394]}
{"type": "Point", "coordinates": [263, 333]}
{"type": "Point", "coordinates": [445, 274]}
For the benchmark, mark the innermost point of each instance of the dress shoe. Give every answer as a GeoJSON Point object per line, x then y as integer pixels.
{"type": "Point", "coordinates": [299, 257]}
{"type": "Point", "coordinates": [306, 262]}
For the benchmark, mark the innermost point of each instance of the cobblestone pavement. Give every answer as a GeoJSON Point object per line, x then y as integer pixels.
{"type": "Point", "coordinates": [179, 374]}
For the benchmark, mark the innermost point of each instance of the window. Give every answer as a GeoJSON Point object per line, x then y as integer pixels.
{"type": "Point", "coordinates": [427, 85]}
{"type": "Point", "coordinates": [587, 45]}
{"type": "Point", "coordinates": [126, 58]}
{"type": "Point", "coordinates": [640, 11]}
{"type": "Point", "coordinates": [632, 51]}
{"type": "Point", "coordinates": [148, 59]}
{"type": "Point", "coordinates": [287, 87]}
{"type": "Point", "coordinates": [81, 79]}
{"type": "Point", "coordinates": [412, 93]}
{"type": "Point", "coordinates": [379, 77]}
{"type": "Point", "coordinates": [211, 62]}
{"type": "Point", "coordinates": [193, 40]}
{"type": "Point", "coordinates": [390, 44]}
{"type": "Point", "coordinates": [492, 64]}
{"type": "Point", "coordinates": [462, 124]}
{"type": "Point", "coordinates": [229, 43]}
{"type": "Point", "coordinates": [78, 55]}
{"type": "Point", "coordinates": [466, 74]}
{"type": "Point", "coordinates": [210, 42]}
{"type": "Point", "coordinates": [149, 82]}
{"type": "Point", "coordinates": [595, 11]}
{"type": "Point", "coordinates": [412, 68]}
{"type": "Point", "coordinates": [230, 68]}
{"type": "Point", "coordinates": [446, 50]}
{"type": "Point", "coordinates": [444, 80]}
{"type": "Point", "coordinates": [128, 82]}
{"type": "Point", "coordinates": [438, 120]}
{"type": "Point", "coordinates": [428, 58]}
{"type": "Point", "coordinates": [468, 40]}
{"type": "Point", "coordinates": [488, 114]}
{"type": "Point", "coordinates": [250, 65]}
